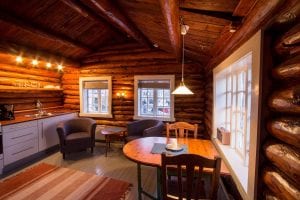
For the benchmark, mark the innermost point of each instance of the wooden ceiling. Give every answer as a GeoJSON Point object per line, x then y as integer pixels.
{"type": "Point", "coordinates": [75, 29]}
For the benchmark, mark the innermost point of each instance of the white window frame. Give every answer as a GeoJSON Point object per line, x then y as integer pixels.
{"type": "Point", "coordinates": [136, 99]}
{"type": "Point", "coordinates": [245, 176]}
{"type": "Point", "coordinates": [97, 114]}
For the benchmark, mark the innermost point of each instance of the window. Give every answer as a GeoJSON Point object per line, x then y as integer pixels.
{"type": "Point", "coordinates": [153, 97]}
{"type": "Point", "coordinates": [233, 94]}
{"type": "Point", "coordinates": [236, 108]}
{"type": "Point", "coordinates": [95, 96]}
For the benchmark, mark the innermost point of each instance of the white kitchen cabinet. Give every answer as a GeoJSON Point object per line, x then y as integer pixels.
{"type": "Point", "coordinates": [23, 139]}
{"type": "Point", "coordinates": [19, 141]}
{"type": "Point", "coordinates": [48, 136]}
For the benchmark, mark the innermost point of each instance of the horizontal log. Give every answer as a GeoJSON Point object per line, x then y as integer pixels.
{"type": "Point", "coordinates": [31, 71]}
{"type": "Point", "coordinates": [70, 77]}
{"type": "Point", "coordinates": [130, 63]}
{"type": "Point", "coordinates": [29, 106]}
{"type": "Point", "coordinates": [287, 44]}
{"type": "Point", "coordinates": [91, 57]}
{"type": "Point", "coordinates": [72, 106]}
{"type": "Point", "coordinates": [123, 117]}
{"type": "Point", "coordinates": [279, 184]}
{"type": "Point", "coordinates": [286, 100]}
{"type": "Point", "coordinates": [70, 87]}
{"type": "Point", "coordinates": [123, 112]}
{"type": "Point", "coordinates": [112, 123]}
{"type": "Point", "coordinates": [123, 108]}
{"type": "Point", "coordinates": [72, 101]}
{"type": "Point", "coordinates": [70, 82]}
{"type": "Point", "coordinates": [287, 129]}
{"type": "Point", "coordinates": [154, 55]}
{"type": "Point", "coordinates": [28, 100]}
{"type": "Point", "coordinates": [28, 76]}
{"type": "Point", "coordinates": [288, 70]}
{"type": "Point", "coordinates": [41, 94]}
{"type": "Point", "coordinates": [72, 92]}
{"type": "Point", "coordinates": [285, 157]}
{"type": "Point", "coordinates": [122, 103]}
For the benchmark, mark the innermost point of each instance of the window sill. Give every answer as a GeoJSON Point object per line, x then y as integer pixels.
{"type": "Point", "coordinates": [158, 118]}
{"type": "Point", "coordinates": [234, 162]}
{"type": "Point", "coordinates": [95, 115]}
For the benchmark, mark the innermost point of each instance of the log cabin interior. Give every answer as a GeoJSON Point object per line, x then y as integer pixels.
{"type": "Point", "coordinates": [119, 61]}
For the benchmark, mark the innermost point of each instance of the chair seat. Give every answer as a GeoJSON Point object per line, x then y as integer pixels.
{"type": "Point", "coordinates": [78, 137]}
{"type": "Point", "coordinates": [173, 189]}
{"type": "Point", "coordinates": [130, 138]}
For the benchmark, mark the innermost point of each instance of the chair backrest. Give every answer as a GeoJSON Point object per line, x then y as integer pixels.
{"type": "Point", "coordinates": [189, 182]}
{"type": "Point", "coordinates": [182, 129]}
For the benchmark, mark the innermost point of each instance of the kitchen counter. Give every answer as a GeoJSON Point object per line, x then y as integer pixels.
{"type": "Point", "coordinates": [29, 116]}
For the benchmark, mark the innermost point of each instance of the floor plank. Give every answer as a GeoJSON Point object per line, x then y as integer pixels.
{"type": "Point", "coordinates": [115, 165]}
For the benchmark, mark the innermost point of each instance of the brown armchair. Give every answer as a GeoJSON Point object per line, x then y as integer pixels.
{"type": "Point", "coordinates": [144, 128]}
{"type": "Point", "coordinates": [76, 135]}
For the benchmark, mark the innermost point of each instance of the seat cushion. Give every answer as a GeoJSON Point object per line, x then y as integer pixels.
{"type": "Point", "coordinates": [78, 138]}
{"type": "Point", "coordinates": [130, 138]}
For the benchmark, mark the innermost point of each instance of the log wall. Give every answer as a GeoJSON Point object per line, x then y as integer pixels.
{"type": "Point", "coordinates": [21, 84]}
{"type": "Point", "coordinates": [280, 158]}
{"type": "Point", "coordinates": [122, 66]}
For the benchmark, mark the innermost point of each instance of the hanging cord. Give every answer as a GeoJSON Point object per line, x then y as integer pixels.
{"type": "Point", "coordinates": [182, 64]}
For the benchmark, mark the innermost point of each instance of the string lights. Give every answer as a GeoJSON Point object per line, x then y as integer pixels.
{"type": "Point", "coordinates": [35, 63]}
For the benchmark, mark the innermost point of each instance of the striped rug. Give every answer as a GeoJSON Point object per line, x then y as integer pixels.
{"type": "Point", "coordinates": [46, 181]}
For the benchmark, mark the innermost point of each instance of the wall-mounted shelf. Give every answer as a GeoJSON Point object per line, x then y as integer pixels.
{"type": "Point", "coordinates": [21, 89]}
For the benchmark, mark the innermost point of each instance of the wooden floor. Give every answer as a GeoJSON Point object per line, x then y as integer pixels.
{"type": "Point", "coordinates": [114, 165]}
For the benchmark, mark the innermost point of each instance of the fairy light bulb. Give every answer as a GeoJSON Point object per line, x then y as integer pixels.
{"type": "Point", "coordinates": [48, 65]}
{"type": "Point", "coordinates": [34, 62]}
{"type": "Point", "coordinates": [19, 59]}
{"type": "Point", "coordinates": [59, 67]}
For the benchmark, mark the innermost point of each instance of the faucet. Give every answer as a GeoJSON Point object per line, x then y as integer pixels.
{"type": "Point", "coordinates": [39, 106]}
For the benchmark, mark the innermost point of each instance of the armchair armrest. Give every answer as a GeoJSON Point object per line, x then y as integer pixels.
{"type": "Point", "coordinates": [156, 130]}
{"type": "Point", "coordinates": [62, 132]}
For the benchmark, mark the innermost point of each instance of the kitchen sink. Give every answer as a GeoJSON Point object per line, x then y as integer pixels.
{"type": "Point", "coordinates": [39, 115]}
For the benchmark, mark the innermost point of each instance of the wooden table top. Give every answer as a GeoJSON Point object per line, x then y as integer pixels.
{"type": "Point", "coordinates": [111, 130]}
{"type": "Point", "coordinates": [139, 150]}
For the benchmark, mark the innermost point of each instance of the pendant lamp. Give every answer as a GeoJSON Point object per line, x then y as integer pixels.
{"type": "Point", "coordinates": [182, 89]}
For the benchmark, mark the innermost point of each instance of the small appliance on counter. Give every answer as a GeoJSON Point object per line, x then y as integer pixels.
{"type": "Point", "coordinates": [7, 112]}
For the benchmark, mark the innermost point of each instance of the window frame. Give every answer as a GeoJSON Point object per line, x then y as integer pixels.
{"type": "Point", "coordinates": [138, 78]}
{"type": "Point", "coordinates": [244, 177]}
{"type": "Point", "coordinates": [97, 114]}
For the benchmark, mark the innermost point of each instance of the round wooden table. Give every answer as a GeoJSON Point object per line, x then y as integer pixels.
{"type": "Point", "coordinates": [139, 151]}
{"type": "Point", "coordinates": [111, 133]}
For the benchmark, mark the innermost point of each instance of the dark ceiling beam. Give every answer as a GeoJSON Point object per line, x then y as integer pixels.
{"type": "Point", "coordinates": [17, 49]}
{"type": "Point", "coordinates": [108, 10]}
{"type": "Point", "coordinates": [211, 5]}
{"type": "Point", "coordinates": [86, 12]}
{"type": "Point", "coordinates": [260, 14]}
{"type": "Point", "coordinates": [40, 31]}
{"type": "Point", "coordinates": [215, 14]}
{"type": "Point", "coordinates": [244, 7]}
{"type": "Point", "coordinates": [170, 10]}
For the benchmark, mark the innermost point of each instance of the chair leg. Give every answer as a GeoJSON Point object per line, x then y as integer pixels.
{"type": "Point", "coordinates": [64, 155]}
{"type": "Point", "coordinates": [92, 149]}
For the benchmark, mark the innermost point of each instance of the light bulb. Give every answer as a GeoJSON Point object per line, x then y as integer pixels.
{"type": "Point", "coordinates": [59, 67]}
{"type": "Point", "coordinates": [19, 59]}
{"type": "Point", "coordinates": [48, 65]}
{"type": "Point", "coordinates": [34, 62]}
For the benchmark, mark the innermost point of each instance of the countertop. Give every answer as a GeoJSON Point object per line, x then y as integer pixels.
{"type": "Point", "coordinates": [20, 117]}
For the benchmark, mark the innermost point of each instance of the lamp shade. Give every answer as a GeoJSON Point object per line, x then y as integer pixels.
{"type": "Point", "coordinates": [182, 89]}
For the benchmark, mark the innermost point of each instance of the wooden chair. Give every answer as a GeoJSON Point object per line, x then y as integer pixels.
{"type": "Point", "coordinates": [182, 129]}
{"type": "Point", "coordinates": [188, 183]}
